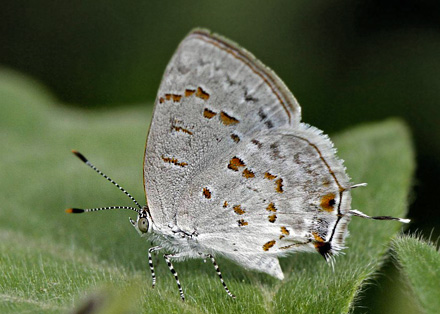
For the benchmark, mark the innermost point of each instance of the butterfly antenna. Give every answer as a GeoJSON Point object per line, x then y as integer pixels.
{"type": "Point", "coordinates": [79, 210]}
{"type": "Point", "coordinates": [358, 185]}
{"type": "Point", "coordinates": [355, 212]}
{"type": "Point", "coordinates": [88, 163]}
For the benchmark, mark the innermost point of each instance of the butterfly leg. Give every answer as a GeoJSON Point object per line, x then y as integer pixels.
{"type": "Point", "coordinates": [150, 263]}
{"type": "Point", "coordinates": [170, 266]}
{"type": "Point", "coordinates": [219, 273]}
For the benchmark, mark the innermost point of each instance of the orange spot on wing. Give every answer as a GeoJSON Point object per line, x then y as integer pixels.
{"type": "Point", "coordinates": [271, 207]}
{"type": "Point", "coordinates": [227, 119]}
{"type": "Point", "coordinates": [206, 193]}
{"type": "Point", "coordinates": [202, 94]}
{"type": "Point", "coordinates": [319, 242]}
{"type": "Point", "coordinates": [189, 92]}
{"type": "Point", "coordinates": [242, 223]}
{"type": "Point", "coordinates": [272, 218]}
{"type": "Point", "coordinates": [235, 138]}
{"type": "Point", "coordinates": [248, 173]}
{"type": "Point", "coordinates": [235, 163]}
{"type": "Point", "coordinates": [174, 161]}
{"type": "Point", "coordinates": [208, 114]}
{"type": "Point", "coordinates": [225, 204]}
{"type": "Point", "coordinates": [168, 96]}
{"type": "Point", "coordinates": [328, 202]}
{"type": "Point", "coordinates": [268, 245]}
{"type": "Point", "coordinates": [318, 238]}
{"type": "Point", "coordinates": [238, 209]}
{"type": "Point", "coordinates": [269, 176]}
{"type": "Point", "coordinates": [285, 231]}
{"type": "Point", "coordinates": [176, 98]}
{"type": "Point", "coordinates": [161, 100]}
{"type": "Point", "coordinates": [180, 129]}
{"type": "Point", "coordinates": [279, 185]}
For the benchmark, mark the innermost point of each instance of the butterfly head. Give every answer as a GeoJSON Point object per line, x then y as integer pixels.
{"type": "Point", "coordinates": [143, 223]}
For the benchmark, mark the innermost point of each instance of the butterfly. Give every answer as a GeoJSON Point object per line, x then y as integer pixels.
{"type": "Point", "coordinates": [230, 169]}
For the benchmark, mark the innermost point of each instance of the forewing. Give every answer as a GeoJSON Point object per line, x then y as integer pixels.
{"type": "Point", "coordinates": [213, 96]}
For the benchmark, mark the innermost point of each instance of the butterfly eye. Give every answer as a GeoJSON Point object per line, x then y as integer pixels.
{"type": "Point", "coordinates": [143, 225]}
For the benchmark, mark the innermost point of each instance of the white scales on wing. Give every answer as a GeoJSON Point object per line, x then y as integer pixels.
{"type": "Point", "coordinates": [230, 170]}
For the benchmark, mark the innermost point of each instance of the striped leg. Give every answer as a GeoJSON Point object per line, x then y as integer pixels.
{"type": "Point", "coordinates": [217, 269]}
{"type": "Point", "coordinates": [150, 262]}
{"type": "Point", "coordinates": [170, 266]}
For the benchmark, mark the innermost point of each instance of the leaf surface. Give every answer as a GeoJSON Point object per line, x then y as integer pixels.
{"type": "Point", "coordinates": [51, 262]}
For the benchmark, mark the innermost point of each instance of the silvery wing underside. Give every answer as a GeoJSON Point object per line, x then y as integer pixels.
{"type": "Point", "coordinates": [227, 160]}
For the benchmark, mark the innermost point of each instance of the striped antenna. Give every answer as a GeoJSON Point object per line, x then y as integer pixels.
{"type": "Point", "coordinates": [79, 210]}
{"type": "Point", "coordinates": [88, 163]}
{"type": "Point", "coordinates": [358, 213]}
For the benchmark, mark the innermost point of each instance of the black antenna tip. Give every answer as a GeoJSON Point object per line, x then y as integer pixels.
{"type": "Point", "coordinates": [79, 155]}
{"type": "Point", "coordinates": [74, 211]}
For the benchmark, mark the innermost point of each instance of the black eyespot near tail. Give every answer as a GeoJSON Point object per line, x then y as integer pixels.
{"type": "Point", "coordinates": [74, 211]}
{"type": "Point", "coordinates": [325, 249]}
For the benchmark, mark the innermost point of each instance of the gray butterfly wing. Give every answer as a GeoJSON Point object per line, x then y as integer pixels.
{"type": "Point", "coordinates": [277, 192]}
{"type": "Point", "coordinates": [213, 96]}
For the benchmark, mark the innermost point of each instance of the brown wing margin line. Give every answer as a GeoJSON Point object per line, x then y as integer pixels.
{"type": "Point", "coordinates": [233, 51]}
{"type": "Point", "coordinates": [341, 189]}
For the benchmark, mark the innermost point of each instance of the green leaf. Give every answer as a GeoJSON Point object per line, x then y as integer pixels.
{"type": "Point", "coordinates": [53, 262]}
{"type": "Point", "coordinates": [419, 261]}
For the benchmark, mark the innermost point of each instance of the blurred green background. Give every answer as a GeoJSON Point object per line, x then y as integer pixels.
{"type": "Point", "coordinates": [346, 62]}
